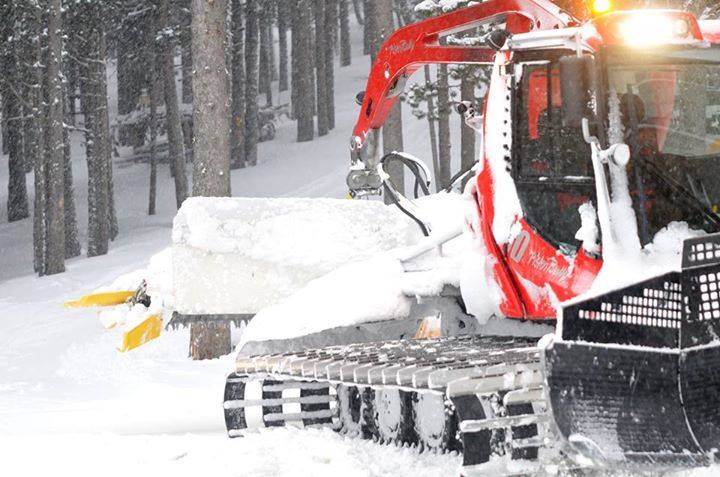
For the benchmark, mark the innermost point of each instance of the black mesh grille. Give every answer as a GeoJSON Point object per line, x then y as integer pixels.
{"type": "Point", "coordinates": [646, 314]}
{"type": "Point", "coordinates": [701, 251]}
{"type": "Point", "coordinates": [673, 310]}
{"type": "Point", "coordinates": [658, 306]}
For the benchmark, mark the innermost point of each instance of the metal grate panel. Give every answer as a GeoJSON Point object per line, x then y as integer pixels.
{"type": "Point", "coordinates": [701, 251]}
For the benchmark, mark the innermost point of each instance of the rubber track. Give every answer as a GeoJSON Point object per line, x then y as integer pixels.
{"type": "Point", "coordinates": [429, 394]}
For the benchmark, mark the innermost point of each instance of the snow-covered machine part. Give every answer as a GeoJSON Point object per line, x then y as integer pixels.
{"type": "Point", "coordinates": [629, 381]}
{"type": "Point", "coordinates": [235, 256]}
{"type": "Point", "coordinates": [599, 155]}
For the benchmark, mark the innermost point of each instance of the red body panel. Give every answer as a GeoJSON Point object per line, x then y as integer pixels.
{"type": "Point", "coordinates": [417, 44]}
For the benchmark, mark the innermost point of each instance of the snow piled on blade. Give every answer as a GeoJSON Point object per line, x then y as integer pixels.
{"type": "Point", "coordinates": [630, 265]}
{"type": "Point", "coordinates": [355, 293]}
{"type": "Point", "coordinates": [370, 290]}
{"type": "Point", "coordinates": [238, 255]}
{"type": "Point", "coordinates": [275, 230]}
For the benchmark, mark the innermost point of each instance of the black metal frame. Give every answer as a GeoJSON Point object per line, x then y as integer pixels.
{"type": "Point", "coordinates": [637, 371]}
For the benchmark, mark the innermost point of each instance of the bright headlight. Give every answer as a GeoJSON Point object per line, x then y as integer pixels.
{"type": "Point", "coordinates": [601, 6]}
{"type": "Point", "coordinates": [652, 29]}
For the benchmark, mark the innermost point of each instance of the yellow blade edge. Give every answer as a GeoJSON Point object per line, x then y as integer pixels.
{"type": "Point", "coordinates": [100, 299]}
{"type": "Point", "coordinates": [146, 331]}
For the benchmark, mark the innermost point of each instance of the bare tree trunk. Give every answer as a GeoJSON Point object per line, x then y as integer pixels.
{"type": "Point", "coordinates": [127, 81]}
{"type": "Point", "coordinates": [443, 127]}
{"type": "Point", "coordinates": [345, 50]}
{"type": "Point", "coordinates": [106, 134]}
{"type": "Point", "coordinates": [294, 54]}
{"type": "Point", "coordinates": [72, 241]}
{"type": "Point", "coordinates": [368, 31]}
{"type": "Point", "coordinates": [331, 20]}
{"type": "Point", "coordinates": [265, 67]}
{"type": "Point", "coordinates": [211, 119]}
{"type": "Point", "coordinates": [17, 204]}
{"type": "Point", "coordinates": [211, 88]}
{"type": "Point", "coordinates": [467, 134]}
{"type": "Point", "coordinates": [176, 143]}
{"type": "Point", "coordinates": [383, 25]}
{"type": "Point", "coordinates": [251, 82]}
{"type": "Point", "coordinates": [433, 131]}
{"type": "Point", "coordinates": [38, 153]}
{"type": "Point", "coordinates": [209, 340]}
{"type": "Point", "coordinates": [186, 51]}
{"type": "Point", "coordinates": [358, 11]}
{"type": "Point", "coordinates": [12, 111]}
{"type": "Point", "coordinates": [98, 226]}
{"type": "Point", "coordinates": [155, 93]}
{"type": "Point", "coordinates": [283, 13]}
{"type": "Point", "coordinates": [272, 12]}
{"type": "Point", "coordinates": [91, 54]}
{"type": "Point", "coordinates": [237, 143]}
{"type": "Point", "coordinates": [320, 67]}
{"type": "Point", "coordinates": [303, 70]}
{"type": "Point", "coordinates": [55, 234]}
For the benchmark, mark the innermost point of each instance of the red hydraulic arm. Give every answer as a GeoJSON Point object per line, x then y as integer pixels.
{"type": "Point", "coordinates": [417, 44]}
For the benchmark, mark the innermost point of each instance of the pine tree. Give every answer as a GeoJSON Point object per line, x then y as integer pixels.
{"type": "Point", "coordinates": [265, 68]}
{"type": "Point", "coordinates": [252, 132]}
{"type": "Point", "coordinates": [55, 206]}
{"type": "Point", "coordinates": [345, 49]}
{"type": "Point", "coordinates": [444, 145]}
{"type": "Point", "coordinates": [211, 119]}
{"type": "Point", "coordinates": [176, 141]}
{"type": "Point", "coordinates": [13, 105]}
{"type": "Point", "coordinates": [186, 49]}
{"type": "Point", "coordinates": [467, 134]}
{"type": "Point", "coordinates": [330, 23]}
{"type": "Point", "coordinates": [89, 50]}
{"type": "Point", "coordinates": [369, 17]}
{"type": "Point", "coordinates": [303, 99]}
{"type": "Point", "coordinates": [72, 241]}
{"type": "Point", "coordinates": [237, 143]}
{"type": "Point", "coordinates": [323, 121]}
{"type": "Point", "coordinates": [358, 6]}
{"type": "Point", "coordinates": [37, 22]}
{"type": "Point", "coordinates": [283, 75]}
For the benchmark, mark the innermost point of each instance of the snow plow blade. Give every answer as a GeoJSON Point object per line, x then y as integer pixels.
{"type": "Point", "coordinates": [101, 299]}
{"type": "Point", "coordinates": [146, 331]}
{"type": "Point", "coordinates": [634, 378]}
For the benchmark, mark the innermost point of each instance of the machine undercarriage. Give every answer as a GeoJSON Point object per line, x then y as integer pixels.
{"type": "Point", "coordinates": [628, 390]}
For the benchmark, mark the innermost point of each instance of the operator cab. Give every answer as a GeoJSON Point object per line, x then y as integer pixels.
{"type": "Point", "coordinates": [655, 92]}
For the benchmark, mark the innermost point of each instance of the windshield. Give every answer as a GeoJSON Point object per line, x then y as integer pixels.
{"type": "Point", "coordinates": [669, 115]}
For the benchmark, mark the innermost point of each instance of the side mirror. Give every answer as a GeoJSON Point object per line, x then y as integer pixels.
{"type": "Point", "coordinates": [575, 89]}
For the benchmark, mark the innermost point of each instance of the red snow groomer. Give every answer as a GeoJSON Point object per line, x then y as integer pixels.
{"type": "Point", "coordinates": [622, 112]}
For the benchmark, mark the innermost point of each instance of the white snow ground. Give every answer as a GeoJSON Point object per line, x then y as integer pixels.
{"type": "Point", "coordinates": [70, 404]}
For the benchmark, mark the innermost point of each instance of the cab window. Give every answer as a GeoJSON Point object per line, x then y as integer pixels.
{"type": "Point", "coordinates": [552, 164]}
